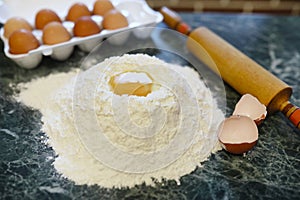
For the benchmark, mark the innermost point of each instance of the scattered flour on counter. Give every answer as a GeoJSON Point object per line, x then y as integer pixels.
{"type": "Point", "coordinates": [81, 113]}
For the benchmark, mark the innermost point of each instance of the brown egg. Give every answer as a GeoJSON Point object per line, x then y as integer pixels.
{"type": "Point", "coordinates": [114, 19]}
{"type": "Point", "coordinates": [22, 41]}
{"type": "Point", "coordinates": [102, 6]}
{"type": "Point", "coordinates": [238, 134]}
{"type": "Point", "coordinates": [44, 16]}
{"type": "Point", "coordinates": [85, 26]}
{"type": "Point", "coordinates": [15, 23]}
{"type": "Point", "coordinates": [54, 33]}
{"type": "Point", "coordinates": [76, 11]}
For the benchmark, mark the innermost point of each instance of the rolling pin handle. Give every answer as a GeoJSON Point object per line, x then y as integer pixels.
{"type": "Point", "coordinates": [292, 112]}
{"type": "Point", "coordinates": [183, 28]}
{"type": "Point", "coordinates": [174, 21]}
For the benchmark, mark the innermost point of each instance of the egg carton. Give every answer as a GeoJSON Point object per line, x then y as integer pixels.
{"type": "Point", "coordinates": [137, 12]}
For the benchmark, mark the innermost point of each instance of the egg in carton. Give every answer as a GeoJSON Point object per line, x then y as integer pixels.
{"type": "Point", "coordinates": [136, 12]}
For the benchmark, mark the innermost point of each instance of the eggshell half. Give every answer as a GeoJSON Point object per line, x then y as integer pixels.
{"type": "Point", "coordinates": [250, 106]}
{"type": "Point", "coordinates": [238, 134]}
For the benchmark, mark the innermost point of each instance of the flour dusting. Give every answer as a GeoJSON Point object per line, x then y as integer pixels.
{"type": "Point", "coordinates": [114, 141]}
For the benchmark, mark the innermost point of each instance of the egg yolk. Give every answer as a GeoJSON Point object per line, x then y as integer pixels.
{"type": "Point", "coordinates": [131, 83]}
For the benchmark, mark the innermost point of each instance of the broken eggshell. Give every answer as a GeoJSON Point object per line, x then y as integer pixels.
{"type": "Point", "coordinates": [250, 106]}
{"type": "Point", "coordinates": [238, 134]}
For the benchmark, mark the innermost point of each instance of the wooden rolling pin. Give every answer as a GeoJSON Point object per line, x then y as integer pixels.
{"type": "Point", "coordinates": [237, 69]}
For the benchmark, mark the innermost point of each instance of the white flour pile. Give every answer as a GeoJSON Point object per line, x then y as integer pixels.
{"type": "Point", "coordinates": [111, 140]}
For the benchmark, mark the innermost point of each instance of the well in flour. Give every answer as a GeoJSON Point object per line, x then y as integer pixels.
{"type": "Point", "coordinates": [122, 140]}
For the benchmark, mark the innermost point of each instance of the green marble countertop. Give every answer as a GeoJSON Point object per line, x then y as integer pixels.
{"type": "Point", "coordinates": [270, 171]}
